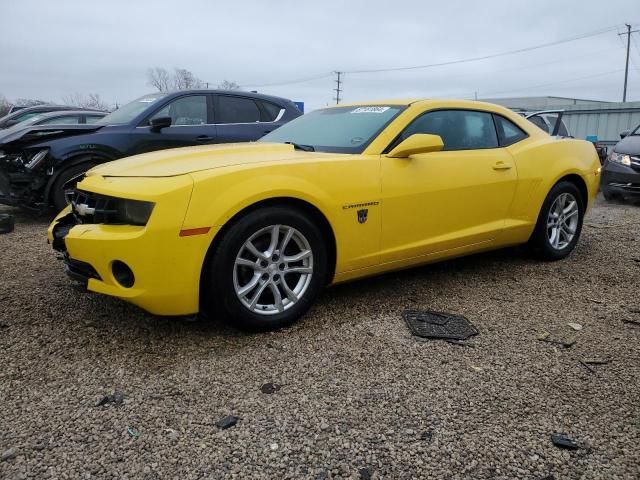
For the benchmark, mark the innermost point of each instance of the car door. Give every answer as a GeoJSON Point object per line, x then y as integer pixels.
{"type": "Point", "coordinates": [240, 119]}
{"type": "Point", "coordinates": [445, 200]}
{"type": "Point", "coordinates": [190, 125]}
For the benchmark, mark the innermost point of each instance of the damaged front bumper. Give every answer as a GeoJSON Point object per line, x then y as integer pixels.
{"type": "Point", "coordinates": [20, 186]}
{"type": "Point", "coordinates": [148, 265]}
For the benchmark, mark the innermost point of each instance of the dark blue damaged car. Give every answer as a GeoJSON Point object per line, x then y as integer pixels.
{"type": "Point", "coordinates": [37, 165]}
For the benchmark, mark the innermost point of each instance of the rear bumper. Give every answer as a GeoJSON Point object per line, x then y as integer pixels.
{"type": "Point", "coordinates": [620, 179]}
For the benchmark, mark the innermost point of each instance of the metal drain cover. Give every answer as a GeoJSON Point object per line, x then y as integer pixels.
{"type": "Point", "coordinates": [429, 324]}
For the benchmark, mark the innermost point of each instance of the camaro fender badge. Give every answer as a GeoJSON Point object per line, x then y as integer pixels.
{"type": "Point", "coordinates": [363, 213]}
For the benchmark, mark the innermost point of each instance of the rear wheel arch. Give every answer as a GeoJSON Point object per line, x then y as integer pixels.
{"type": "Point", "coordinates": [290, 202]}
{"type": "Point", "coordinates": [579, 182]}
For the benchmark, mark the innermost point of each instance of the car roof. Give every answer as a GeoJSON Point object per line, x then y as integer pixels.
{"type": "Point", "coordinates": [71, 112]}
{"type": "Point", "coordinates": [241, 93]}
{"type": "Point", "coordinates": [424, 101]}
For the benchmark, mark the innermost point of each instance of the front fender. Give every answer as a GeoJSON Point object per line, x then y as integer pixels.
{"type": "Point", "coordinates": [332, 187]}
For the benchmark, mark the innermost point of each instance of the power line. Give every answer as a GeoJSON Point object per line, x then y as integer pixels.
{"type": "Point", "coordinates": [626, 65]}
{"type": "Point", "coordinates": [289, 82]}
{"type": "Point", "coordinates": [486, 57]}
{"type": "Point", "coordinates": [337, 89]}
{"type": "Point", "coordinates": [440, 64]}
{"type": "Point", "coordinates": [569, 80]}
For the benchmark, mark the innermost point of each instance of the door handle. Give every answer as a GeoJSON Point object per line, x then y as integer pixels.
{"type": "Point", "coordinates": [204, 138]}
{"type": "Point", "coordinates": [501, 166]}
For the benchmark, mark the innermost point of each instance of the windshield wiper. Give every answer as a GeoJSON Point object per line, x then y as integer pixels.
{"type": "Point", "coordinates": [304, 148]}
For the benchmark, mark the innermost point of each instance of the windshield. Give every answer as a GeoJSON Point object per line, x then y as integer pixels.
{"type": "Point", "coordinates": [128, 112]}
{"type": "Point", "coordinates": [24, 123]}
{"type": "Point", "coordinates": [340, 129]}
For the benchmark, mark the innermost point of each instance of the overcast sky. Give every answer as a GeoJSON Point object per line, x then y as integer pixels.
{"type": "Point", "coordinates": [50, 49]}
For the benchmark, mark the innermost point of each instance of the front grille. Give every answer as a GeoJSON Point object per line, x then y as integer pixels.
{"type": "Point", "coordinates": [89, 207]}
{"type": "Point", "coordinates": [79, 271]}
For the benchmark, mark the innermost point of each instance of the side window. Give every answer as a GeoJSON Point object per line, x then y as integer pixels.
{"type": "Point", "coordinates": [236, 110]}
{"type": "Point", "coordinates": [270, 111]}
{"type": "Point", "coordinates": [508, 132]}
{"type": "Point", "coordinates": [25, 116]}
{"type": "Point", "coordinates": [66, 120]}
{"type": "Point", "coordinates": [191, 110]}
{"type": "Point", "coordinates": [92, 118]}
{"type": "Point", "coordinates": [539, 122]}
{"type": "Point", "coordinates": [459, 129]}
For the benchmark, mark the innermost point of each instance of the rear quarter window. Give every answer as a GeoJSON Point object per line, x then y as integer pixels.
{"type": "Point", "coordinates": [508, 132]}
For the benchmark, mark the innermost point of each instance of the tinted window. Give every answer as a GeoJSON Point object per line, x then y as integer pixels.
{"type": "Point", "coordinates": [92, 118]}
{"type": "Point", "coordinates": [336, 129]}
{"type": "Point", "coordinates": [66, 120]}
{"type": "Point", "coordinates": [508, 132]}
{"type": "Point", "coordinates": [539, 122]}
{"type": "Point", "coordinates": [25, 116]}
{"type": "Point", "coordinates": [459, 129]}
{"type": "Point", "coordinates": [131, 110]}
{"type": "Point", "coordinates": [236, 110]}
{"type": "Point", "coordinates": [191, 110]}
{"type": "Point", "coordinates": [269, 111]}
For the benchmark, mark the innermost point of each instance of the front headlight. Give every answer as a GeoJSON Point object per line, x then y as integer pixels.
{"type": "Point", "coordinates": [620, 158]}
{"type": "Point", "coordinates": [133, 212]}
{"type": "Point", "coordinates": [94, 208]}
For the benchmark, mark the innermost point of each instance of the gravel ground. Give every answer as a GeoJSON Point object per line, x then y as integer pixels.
{"type": "Point", "coordinates": [360, 397]}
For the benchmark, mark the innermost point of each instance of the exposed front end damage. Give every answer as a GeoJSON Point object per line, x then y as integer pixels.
{"type": "Point", "coordinates": [24, 177]}
{"type": "Point", "coordinates": [27, 165]}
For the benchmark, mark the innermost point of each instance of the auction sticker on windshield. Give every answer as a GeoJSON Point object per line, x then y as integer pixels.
{"type": "Point", "coordinates": [370, 110]}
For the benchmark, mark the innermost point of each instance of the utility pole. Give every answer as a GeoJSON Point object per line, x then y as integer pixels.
{"type": "Point", "coordinates": [626, 66]}
{"type": "Point", "coordinates": [338, 89]}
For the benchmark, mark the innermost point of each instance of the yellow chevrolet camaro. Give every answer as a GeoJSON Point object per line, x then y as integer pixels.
{"type": "Point", "coordinates": [253, 231]}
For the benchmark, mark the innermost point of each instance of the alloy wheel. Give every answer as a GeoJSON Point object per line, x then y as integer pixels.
{"type": "Point", "coordinates": [273, 269]}
{"type": "Point", "coordinates": [562, 221]}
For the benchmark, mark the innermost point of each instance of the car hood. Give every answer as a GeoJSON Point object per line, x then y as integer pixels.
{"type": "Point", "coordinates": [36, 134]}
{"type": "Point", "coordinates": [180, 161]}
{"type": "Point", "coordinates": [629, 145]}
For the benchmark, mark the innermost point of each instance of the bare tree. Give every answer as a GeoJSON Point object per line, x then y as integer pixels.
{"type": "Point", "coordinates": [92, 100]}
{"type": "Point", "coordinates": [159, 78]}
{"type": "Point", "coordinates": [183, 79]}
{"type": "Point", "coordinates": [29, 102]}
{"type": "Point", "coordinates": [227, 85]}
{"type": "Point", "coordinates": [180, 79]}
{"type": "Point", "coordinates": [4, 105]}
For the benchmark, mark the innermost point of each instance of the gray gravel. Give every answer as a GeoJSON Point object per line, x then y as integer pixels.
{"type": "Point", "coordinates": [358, 397]}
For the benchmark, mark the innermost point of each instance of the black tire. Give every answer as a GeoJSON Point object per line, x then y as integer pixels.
{"type": "Point", "coordinates": [218, 295]}
{"type": "Point", "coordinates": [57, 193]}
{"type": "Point", "coordinates": [540, 242]}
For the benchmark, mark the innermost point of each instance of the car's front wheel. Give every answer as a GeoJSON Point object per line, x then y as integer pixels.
{"type": "Point", "coordinates": [266, 270]}
{"type": "Point", "coordinates": [559, 223]}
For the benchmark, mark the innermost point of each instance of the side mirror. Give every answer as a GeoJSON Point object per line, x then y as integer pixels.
{"type": "Point", "coordinates": [11, 123]}
{"type": "Point", "coordinates": [159, 123]}
{"type": "Point", "coordinates": [624, 133]}
{"type": "Point", "coordinates": [415, 144]}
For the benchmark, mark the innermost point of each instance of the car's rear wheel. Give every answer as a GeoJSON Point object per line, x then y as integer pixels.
{"type": "Point", "coordinates": [266, 270]}
{"type": "Point", "coordinates": [559, 223]}
{"type": "Point", "coordinates": [65, 182]}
